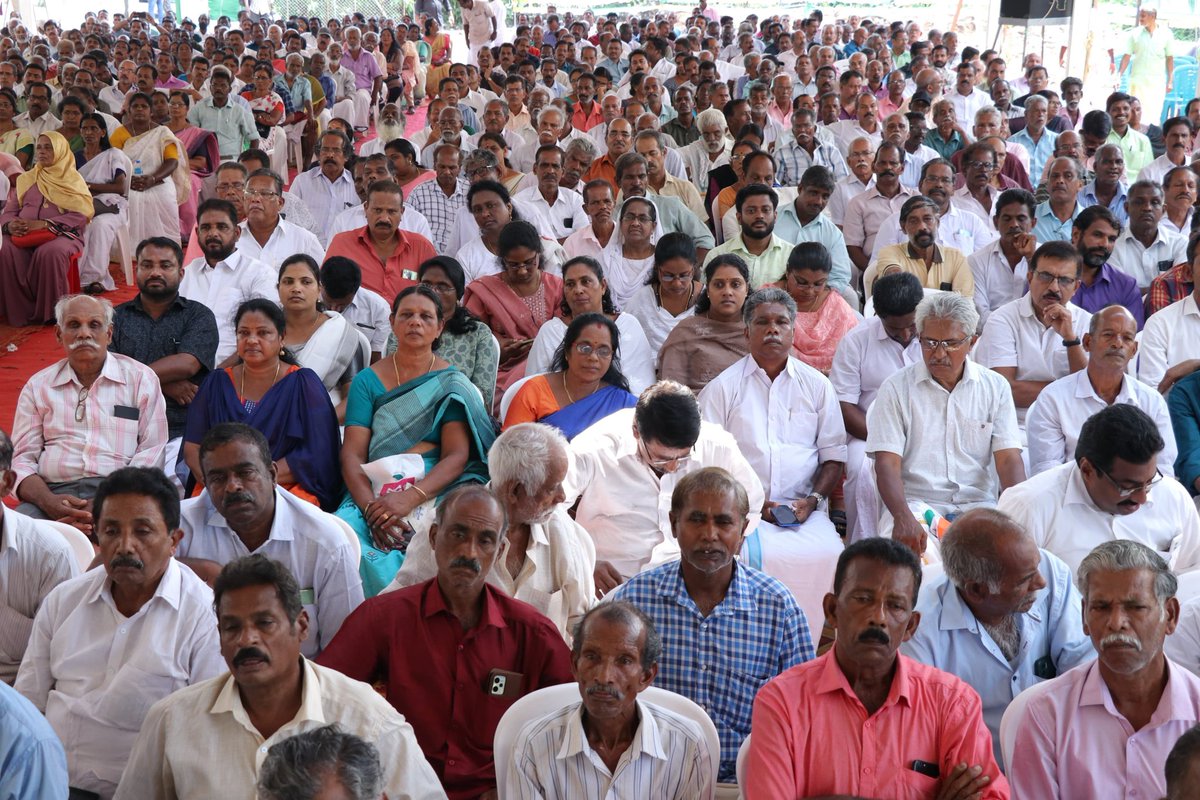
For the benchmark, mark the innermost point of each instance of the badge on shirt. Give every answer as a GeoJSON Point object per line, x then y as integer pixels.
{"type": "Point", "coordinates": [127, 412]}
{"type": "Point", "coordinates": [1163, 266]}
{"type": "Point", "coordinates": [307, 598]}
{"type": "Point", "coordinates": [569, 222]}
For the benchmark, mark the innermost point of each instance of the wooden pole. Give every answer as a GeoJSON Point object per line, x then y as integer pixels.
{"type": "Point", "coordinates": [957, 11]}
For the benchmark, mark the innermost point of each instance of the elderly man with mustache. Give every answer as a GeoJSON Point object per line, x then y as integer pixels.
{"type": "Point", "coordinates": [862, 719]}
{"type": "Point", "coordinates": [84, 417]}
{"type": "Point", "coordinates": [1105, 729]}
{"type": "Point", "coordinates": [454, 652]}
{"type": "Point", "coordinates": [109, 643]}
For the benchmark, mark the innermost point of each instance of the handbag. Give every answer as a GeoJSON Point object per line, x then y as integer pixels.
{"type": "Point", "coordinates": [34, 238]}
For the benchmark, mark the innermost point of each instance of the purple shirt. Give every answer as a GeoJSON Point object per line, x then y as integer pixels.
{"type": "Point", "coordinates": [171, 82]}
{"type": "Point", "coordinates": [1111, 287]}
{"type": "Point", "coordinates": [365, 68]}
{"type": "Point", "coordinates": [1072, 742]}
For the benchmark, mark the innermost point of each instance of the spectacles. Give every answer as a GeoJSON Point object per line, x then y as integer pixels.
{"type": "Point", "coordinates": [986, 166]}
{"type": "Point", "coordinates": [949, 345]}
{"type": "Point", "coordinates": [529, 263]}
{"type": "Point", "coordinates": [1126, 491]}
{"type": "Point", "coordinates": [642, 218]}
{"type": "Point", "coordinates": [230, 187]}
{"type": "Point", "coordinates": [253, 193]}
{"type": "Point", "coordinates": [1065, 281]}
{"type": "Point", "coordinates": [329, 150]}
{"type": "Point", "coordinates": [603, 351]}
{"type": "Point", "coordinates": [683, 277]}
{"type": "Point", "coordinates": [678, 461]}
{"type": "Point", "coordinates": [79, 407]}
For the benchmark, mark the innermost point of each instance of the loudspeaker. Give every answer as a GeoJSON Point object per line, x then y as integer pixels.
{"type": "Point", "coordinates": [1035, 12]}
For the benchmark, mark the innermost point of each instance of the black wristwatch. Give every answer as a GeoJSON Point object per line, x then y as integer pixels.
{"type": "Point", "coordinates": [1071, 343]}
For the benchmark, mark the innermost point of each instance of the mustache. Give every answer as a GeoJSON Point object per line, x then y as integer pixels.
{"type": "Point", "coordinates": [126, 561]}
{"type": "Point", "coordinates": [1121, 639]}
{"type": "Point", "coordinates": [239, 497]}
{"type": "Point", "coordinates": [89, 343]}
{"type": "Point", "coordinates": [874, 635]}
{"type": "Point", "coordinates": [468, 563]}
{"type": "Point", "coordinates": [247, 653]}
{"type": "Point", "coordinates": [605, 691]}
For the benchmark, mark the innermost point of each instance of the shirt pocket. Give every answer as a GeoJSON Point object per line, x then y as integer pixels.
{"type": "Point", "coordinates": [800, 428]}
{"type": "Point", "coordinates": [975, 437]}
{"type": "Point", "coordinates": [915, 786]}
{"type": "Point", "coordinates": [126, 700]}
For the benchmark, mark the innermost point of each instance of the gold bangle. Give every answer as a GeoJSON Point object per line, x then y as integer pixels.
{"type": "Point", "coordinates": [419, 489]}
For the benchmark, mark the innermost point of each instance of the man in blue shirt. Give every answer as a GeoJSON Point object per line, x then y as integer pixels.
{"type": "Point", "coordinates": [726, 628]}
{"type": "Point", "coordinates": [1003, 617]}
{"type": "Point", "coordinates": [34, 764]}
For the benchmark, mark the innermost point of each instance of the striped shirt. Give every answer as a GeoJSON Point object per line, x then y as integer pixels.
{"type": "Point", "coordinates": [124, 422]}
{"type": "Point", "coordinates": [666, 759]}
{"type": "Point", "coordinates": [440, 210]}
{"type": "Point", "coordinates": [794, 160]}
{"type": "Point", "coordinates": [720, 661]}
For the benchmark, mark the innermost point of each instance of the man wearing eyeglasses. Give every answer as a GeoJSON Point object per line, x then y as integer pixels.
{"type": "Point", "coordinates": [937, 426]}
{"type": "Point", "coordinates": [84, 417]}
{"type": "Point", "coordinates": [1038, 338]}
{"type": "Point", "coordinates": [266, 235]}
{"type": "Point", "coordinates": [1113, 489]}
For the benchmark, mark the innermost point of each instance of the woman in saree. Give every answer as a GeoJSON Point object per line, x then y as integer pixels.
{"type": "Point", "coordinates": [44, 220]}
{"type": "Point", "coordinates": [465, 342]}
{"type": "Point", "coordinates": [670, 292]}
{"type": "Point", "coordinates": [513, 181]}
{"type": "Point", "coordinates": [71, 111]}
{"type": "Point", "coordinates": [13, 140]}
{"type": "Point", "coordinates": [585, 291]}
{"type": "Point", "coordinates": [822, 316]}
{"type": "Point", "coordinates": [518, 301]}
{"type": "Point", "coordinates": [628, 258]}
{"type": "Point", "coordinates": [410, 65]}
{"type": "Point", "coordinates": [390, 49]}
{"type": "Point", "coordinates": [106, 171]}
{"type": "Point", "coordinates": [409, 173]}
{"type": "Point", "coordinates": [160, 181]}
{"type": "Point", "coordinates": [412, 403]}
{"type": "Point", "coordinates": [202, 155]}
{"type": "Point", "coordinates": [269, 391]}
{"type": "Point", "coordinates": [323, 341]}
{"type": "Point", "coordinates": [585, 384]}
{"type": "Point", "coordinates": [439, 56]}
{"type": "Point", "coordinates": [703, 345]}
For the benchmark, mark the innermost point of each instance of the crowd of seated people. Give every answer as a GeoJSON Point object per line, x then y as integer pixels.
{"type": "Point", "coordinates": [633, 405]}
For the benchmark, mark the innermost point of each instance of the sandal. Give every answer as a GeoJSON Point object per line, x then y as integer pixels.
{"type": "Point", "coordinates": [94, 288]}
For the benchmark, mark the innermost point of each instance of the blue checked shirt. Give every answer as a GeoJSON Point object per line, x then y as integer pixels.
{"type": "Point", "coordinates": [722, 660]}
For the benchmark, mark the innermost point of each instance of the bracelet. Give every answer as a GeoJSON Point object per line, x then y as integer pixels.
{"type": "Point", "coordinates": [1071, 343]}
{"type": "Point", "coordinates": [414, 487]}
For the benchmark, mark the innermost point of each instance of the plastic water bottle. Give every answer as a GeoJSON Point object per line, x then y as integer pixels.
{"type": "Point", "coordinates": [137, 167]}
{"type": "Point", "coordinates": [935, 524]}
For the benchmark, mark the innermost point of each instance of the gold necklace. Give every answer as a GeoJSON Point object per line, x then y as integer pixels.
{"type": "Point", "coordinates": [396, 367]}
{"type": "Point", "coordinates": [242, 385]}
{"type": "Point", "coordinates": [570, 399]}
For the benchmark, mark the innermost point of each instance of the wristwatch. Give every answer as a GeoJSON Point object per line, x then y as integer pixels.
{"type": "Point", "coordinates": [820, 498]}
{"type": "Point", "coordinates": [1071, 342]}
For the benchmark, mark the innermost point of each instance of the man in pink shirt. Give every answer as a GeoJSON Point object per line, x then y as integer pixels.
{"type": "Point", "coordinates": [367, 77]}
{"type": "Point", "coordinates": [1105, 729]}
{"type": "Point", "coordinates": [862, 719]}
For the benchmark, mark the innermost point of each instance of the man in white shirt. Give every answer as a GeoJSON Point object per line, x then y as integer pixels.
{"type": "Point", "coordinates": [546, 558]}
{"type": "Point", "coordinates": [1177, 134]}
{"type": "Point", "coordinates": [859, 160]}
{"type": "Point", "coordinates": [109, 643]}
{"type": "Point", "coordinates": [367, 170]}
{"type": "Point", "coordinates": [965, 98]}
{"type": "Point", "coordinates": [559, 210]}
{"type": "Point", "coordinates": [211, 739]}
{"type": "Point", "coordinates": [785, 417]}
{"type": "Point", "coordinates": [1055, 419]}
{"type": "Point", "coordinates": [1113, 489]}
{"type": "Point", "coordinates": [867, 355]}
{"type": "Point", "coordinates": [1144, 250]}
{"type": "Point", "coordinates": [479, 26]}
{"type": "Point", "coordinates": [328, 189]}
{"type": "Point", "coordinates": [1170, 347]}
{"type": "Point", "coordinates": [223, 278]}
{"type": "Point", "coordinates": [615, 658]}
{"type": "Point", "coordinates": [708, 152]}
{"type": "Point", "coordinates": [242, 511]}
{"type": "Point", "coordinates": [937, 426]}
{"type": "Point", "coordinates": [1038, 338]}
{"type": "Point", "coordinates": [114, 94]}
{"type": "Point", "coordinates": [265, 235]}
{"type": "Point", "coordinates": [956, 228]}
{"type": "Point", "coordinates": [1001, 267]}
{"type": "Point", "coordinates": [865, 124]}
{"type": "Point", "coordinates": [34, 558]}
{"type": "Point", "coordinates": [342, 291]}
{"type": "Point", "coordinates": [625, 467]}
{"type": "Point", "coordinates": [38, 119]}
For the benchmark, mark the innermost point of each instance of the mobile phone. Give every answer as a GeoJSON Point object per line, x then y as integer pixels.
{"type": "Point", "coordinates": [784, 516]}
{"type": "Point", "coordinates": [926, 768]}
{"type": "Point", "coordinates": [503, 683]}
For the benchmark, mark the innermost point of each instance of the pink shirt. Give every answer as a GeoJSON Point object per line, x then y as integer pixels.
{"type": "Point", "coordinates": [1072, 741]}
{"type": "Point", "coordinates": [364, 67]}
{"type": "Point", "coordinates": [812, 736]}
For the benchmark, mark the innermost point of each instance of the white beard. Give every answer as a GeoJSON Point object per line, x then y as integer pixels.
{"type": "Point", "coordinates": [388, 131]}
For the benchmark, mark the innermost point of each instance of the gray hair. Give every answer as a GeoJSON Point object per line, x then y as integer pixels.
{"type": "Point", "coordinates": [480, 158]}
{"type": "Point", "coordinates": [1120, 555]}
{"type": "Point", "coordinates": [551, 108]}
{"type": "Point", "coordinates": [969, 547]}
{"type": "Point", "coordinates": [712, 116]}
{"type": "Point", "coordinates": [628, 614]}
{"type": "Point", "coordinates": [768, 294]}
{"type": "Point", "coordinates": [988, 111]}
{"type": "Point", "coordinates": [1036, 100]}
{"type": "Point", "coordinates": [584, 145]}
{"type": "Point", "coordinates": [657, 136]}
{"type": "Point", "coordinates": [60, 308]}
{"type": "Point", "coordinates": [950, 306]}
{"type": "Point", "coordinates": [522, 454]}
{"type": "Point", "coordinates": [297, 767]}
{"type": "Point", "coordinates": [294, 57]}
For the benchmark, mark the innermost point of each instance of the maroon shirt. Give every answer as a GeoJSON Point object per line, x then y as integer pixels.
{"type": "Point", "coordinates": [437, 673]}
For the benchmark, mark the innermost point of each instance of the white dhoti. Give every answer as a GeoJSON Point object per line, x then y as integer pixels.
{"type": "Point", "coordinates": [343, 109]}
{"type": "Point", "coordinates": [862, 498]}
{"type": "Point", "coordinates": [98, 239]}
{"type": "Point", "coordinates": [803, 558]}
{"type": "Point", "coordinates": [362, 109]}
{"type": "Point", "coordinates": [154, 212]}
{"type": "Point", "coordinates": [933, 550]}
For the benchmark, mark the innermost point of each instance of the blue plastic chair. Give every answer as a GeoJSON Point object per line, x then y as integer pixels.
{"type": "Point", "coordinates": [1183, 89]}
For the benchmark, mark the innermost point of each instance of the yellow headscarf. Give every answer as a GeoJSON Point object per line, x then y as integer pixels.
{"type": "Point", "coordinates": [60, 183]}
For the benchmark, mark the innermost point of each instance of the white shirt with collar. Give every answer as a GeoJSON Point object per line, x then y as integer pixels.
{"type": "Point", "coordinates": [914, 162]}
{"type": "Point", "coordinates": [996, 282]}
{"type": "Point", "coordinates": [95, 673]}
{"type": "Point", "coordinates": [286, 240]}
{"type": "Point", "coordinates": [36, 127]}
{"type": "Point", "coordinates": [325, 198]}
{"type": "Point", "coordinates": [1058, 414]}
{"type": "Point", "coordinates": [1058, 512]}
{"type": "Point", "coordinates": [1157, 169]}
{"type": "Point", "coordinates": [957, 228]}
{"type": "Point", "coordinates": [561, 219]}
{"type": "Point", "coordinates": [1171, 336]}
{"type": "Point", "coordinates": [304, 539]}
{"type": "Point", "coordinates": [1013, 337]}
{"type": "Point", "coordinates": [965, 106]}
{"type": "Point", "coordinates": [846, 131]}
{"type": "Point", "coordinates": [114, 98]}
{"type": "Point", "coordinates": [667, 758]}
{"type": "Point", "coordinates": [226, 286]}
{"type": "Point", "coordinates": [865, 358]}
{"type": "Point", "coordinates": [624, 505]}
{"type": "Point", "coordinates": [371, 315]}
{"type": "Point", "coordinates": [34, 558]}
{"type": "Point", "coordinates": [844, 191]}
{"type": "Point", "coordinates": [1147, 263]}
{"type": "Point", "coordinates": [1183, 230]}
{"type": "Point", "coordinates": [556, 576]}
{"type": "Point", "coordinates": [963, 199]}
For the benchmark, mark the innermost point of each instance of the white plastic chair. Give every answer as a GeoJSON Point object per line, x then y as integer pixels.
{"type": "Point", "coordinates": [1013, 717]}
{"type": "Point", "coordinates": [355, 544]}
{"type": "Point", "coordinates": [545, 701]}
{"type": "Point", "coordinates": [510, 393]}
{"type": "Point", "coordinates": [743, 753]}
{"type": "Point", "coordinates": [84, 551]}
{"type": "Point", "coordinates": [1189, 586]}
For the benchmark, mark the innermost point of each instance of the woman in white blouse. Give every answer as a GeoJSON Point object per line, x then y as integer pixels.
{"type": "Point", "coordinates": [629, 255]}
{"type": "Point", "coordinates": [670, 292]}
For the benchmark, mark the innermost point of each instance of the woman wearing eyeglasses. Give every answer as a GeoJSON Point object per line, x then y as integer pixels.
{"type": "Point", "coordinates": [585, 291]}
{"type": "Point", "coordinates": [703, 345]}
{"type": "Point", "coordinates": [629, 255]}
{"type": "Point", "coordinates": [822, 316]}
{"type": "Point", "coordinates": [518, 301]}
{"type": "Point", "coordinates": [671, 289]}
{"type": "Point", "coordinates": [585, 384]}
